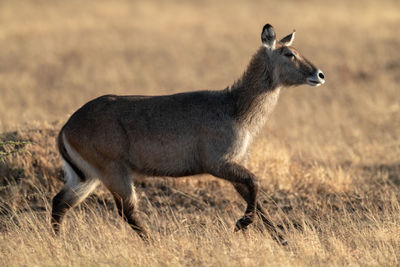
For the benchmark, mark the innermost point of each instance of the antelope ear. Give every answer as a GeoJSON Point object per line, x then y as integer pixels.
{"type": "Point", "coordinates": [288, 40]}
{"type": "Point", "coordinates": [268, 36]}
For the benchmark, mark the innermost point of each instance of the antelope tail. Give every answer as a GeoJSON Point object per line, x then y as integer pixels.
{"type": "Point", "coordinates": [67, 158]}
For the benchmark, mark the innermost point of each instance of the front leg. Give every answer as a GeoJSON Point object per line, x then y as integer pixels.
{"type": "Point", "coordinates": [238, 174]}
{"type": "Point", "coordinates": [244, 193]}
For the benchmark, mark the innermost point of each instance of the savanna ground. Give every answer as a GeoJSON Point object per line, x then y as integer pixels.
{"type": "Point", "coordinates": [328, 160]}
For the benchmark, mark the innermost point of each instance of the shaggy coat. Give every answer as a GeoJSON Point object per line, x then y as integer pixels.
{"type": "Point", "coordinates": [113, 138]}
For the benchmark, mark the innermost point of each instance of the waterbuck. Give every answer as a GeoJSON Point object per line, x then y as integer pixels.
{"type": "Point", "coordinates": [112, 138]}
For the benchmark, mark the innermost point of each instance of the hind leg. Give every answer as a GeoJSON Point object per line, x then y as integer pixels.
{"type": "Point", "coordinates": [73, 192]}
{"type": "Point", "coordinates": [122, 188]}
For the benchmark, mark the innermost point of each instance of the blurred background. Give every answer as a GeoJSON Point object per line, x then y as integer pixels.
{"type": "Point", "coordinates": [328, 159]}
{"type": "Point", "coordinates": [57, 55]}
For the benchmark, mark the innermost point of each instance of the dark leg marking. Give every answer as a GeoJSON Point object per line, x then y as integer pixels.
{"type": "Point", "coordinates": [128, 212]}
{"type": "Point", "coordinates": [60, 206]}
{"type": "Point", "coordinates": [238, 174]}
{"type": "Point", "coordinates": [244, 193]}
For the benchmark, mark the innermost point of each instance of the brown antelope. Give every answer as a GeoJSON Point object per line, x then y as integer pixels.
{"type": "Point", "coordinates": [112, 138]}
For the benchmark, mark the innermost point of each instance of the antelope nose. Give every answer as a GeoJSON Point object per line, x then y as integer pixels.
{"type": "Point", "coordinates": [316, 78]}
{"type": "Point", "coordinates": [321, 76]}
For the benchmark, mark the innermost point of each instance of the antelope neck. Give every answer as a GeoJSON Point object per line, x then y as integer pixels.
{"type": "Point", "coordinates": [255, 94]}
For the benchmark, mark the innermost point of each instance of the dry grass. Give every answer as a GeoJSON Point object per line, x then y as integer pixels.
{"type": "Point", "coordinates": [329, 159]}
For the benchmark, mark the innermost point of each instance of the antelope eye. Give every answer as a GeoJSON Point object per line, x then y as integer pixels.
{"type": "Point", "coordinates": [290, 55]}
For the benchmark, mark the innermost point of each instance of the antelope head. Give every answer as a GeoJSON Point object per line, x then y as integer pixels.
{"type": "Point", "coordinates": [288, 66]}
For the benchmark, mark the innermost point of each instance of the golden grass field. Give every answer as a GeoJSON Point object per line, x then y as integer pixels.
{"type": "Point", "coordinates": [328, 159]}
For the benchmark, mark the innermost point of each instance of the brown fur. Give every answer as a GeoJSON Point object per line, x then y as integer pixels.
{"type": "Point", "coordinates": [112, 138]}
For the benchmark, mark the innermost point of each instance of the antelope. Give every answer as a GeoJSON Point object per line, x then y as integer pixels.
{"type": "Point", "coordinates": [112, 139]}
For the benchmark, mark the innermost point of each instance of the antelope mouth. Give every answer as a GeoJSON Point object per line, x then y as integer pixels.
{"type": "Point", "coordinates": [313, 82]}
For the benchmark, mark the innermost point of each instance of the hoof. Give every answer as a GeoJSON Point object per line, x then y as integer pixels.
{"type": "Point", "coordinates": [56, 228]}
{"type": "Point", "coordinates": [243, 222]}
{"type": "Point", "coordinates": [283, 242]}
{"type": "Point", "coordinates": [143, 234]}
